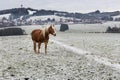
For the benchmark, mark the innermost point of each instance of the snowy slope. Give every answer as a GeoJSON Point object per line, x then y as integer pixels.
{"type": "Point", "coordinates": [57, 18]}
{"type": "Point", "coordinates": [118, 16]}
{"type": "Point", "coordinates": [5, 15]}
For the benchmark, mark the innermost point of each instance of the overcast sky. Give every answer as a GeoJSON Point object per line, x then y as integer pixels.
{"type": "Point", "coordinates": [82, 6]}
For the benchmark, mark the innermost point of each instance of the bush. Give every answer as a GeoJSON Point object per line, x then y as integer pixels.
{"type": "Point", "coordinates": [64, 27]}
{"type": "Point", "coordinates": [11, 31]}
{"type": "Point", "coordinates": [113, 30]}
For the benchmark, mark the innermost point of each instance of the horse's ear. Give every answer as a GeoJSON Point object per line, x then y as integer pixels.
{"type": "Point", "coordinates": [53, 25]}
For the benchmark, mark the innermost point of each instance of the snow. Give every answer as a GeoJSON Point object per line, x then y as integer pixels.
{"type": "Point", "coordinates": [19, 62]}
{"type": "Point", "coordinates": [5, 15]}
{"type": "Point", "coordinates": [79, 51]}
{"type": "Point", "coordinates": [118, 16]}
{"type": "Point", "coordinates": [31, 12]}
{"type": "Point", "coordinates": [57, 18]}
{"type": "Point", "coordinates": [71, 55]}
{"type": "Point", "coordinates": [70, 48]}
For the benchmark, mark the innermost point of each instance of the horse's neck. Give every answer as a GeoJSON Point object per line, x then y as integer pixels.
{"type": "Point", "coordinates": [45, 32]}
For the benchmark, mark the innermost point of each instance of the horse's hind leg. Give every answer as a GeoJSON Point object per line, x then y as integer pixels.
{"type": "Point", "coordinates": [39, 44]}
{"type": "Point", "coordinates": [34, 46]}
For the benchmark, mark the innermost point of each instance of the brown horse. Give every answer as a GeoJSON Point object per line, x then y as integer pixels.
{"type": "Point", "coordinates": [42, 36]}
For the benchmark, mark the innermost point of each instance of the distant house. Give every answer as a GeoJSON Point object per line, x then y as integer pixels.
{"type": "Point", "coordinates": [5, 20]}
{"type": "Point", "coordinates": [7, 16]}
{"type": "Point", "coordinates": [0, 22]}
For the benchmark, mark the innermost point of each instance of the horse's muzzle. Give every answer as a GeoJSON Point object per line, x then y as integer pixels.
{"type": "Point", "coordinates": [54, 34]}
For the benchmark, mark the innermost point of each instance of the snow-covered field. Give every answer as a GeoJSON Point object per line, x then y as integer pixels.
{"type": "Point", "coordinates": [101, 44]}
{"type": "Point", "coordinates": [67, 58]}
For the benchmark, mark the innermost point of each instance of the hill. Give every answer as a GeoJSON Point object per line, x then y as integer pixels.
{"type": "Point", "coordinates": [20, 16]}
{"type": "Point", "coordinates": [94, 15]}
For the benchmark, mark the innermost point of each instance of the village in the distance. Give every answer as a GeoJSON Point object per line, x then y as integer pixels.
{"type": "Point", "coordinates": [29, 16]}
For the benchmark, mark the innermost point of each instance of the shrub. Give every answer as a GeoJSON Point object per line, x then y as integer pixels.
{"type": "Point", "coordinates": [113, 30]}
{"type": "Point", "coordinates": [64, 27]}
{"type": "Point", "coordinates": [11, 31]}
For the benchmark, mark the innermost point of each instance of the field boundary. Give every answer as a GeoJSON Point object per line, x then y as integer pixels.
{"type": "Point", "coordinates": [105, 61]}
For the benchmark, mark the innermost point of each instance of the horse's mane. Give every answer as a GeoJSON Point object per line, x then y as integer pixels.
{"type": "Point", "coordinates": [44, 30]}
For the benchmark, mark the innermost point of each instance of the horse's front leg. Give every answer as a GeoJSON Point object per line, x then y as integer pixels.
{"type": "Point", "coordinates": [39, 44]}
{"type": "Point", "coordinates": [46, 47]}
{"type": "Point", "coordinates": [34, 43]}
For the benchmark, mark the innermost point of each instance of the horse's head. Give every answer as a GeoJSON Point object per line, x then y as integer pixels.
{"type": "Point", "coordinates": [52, 30]}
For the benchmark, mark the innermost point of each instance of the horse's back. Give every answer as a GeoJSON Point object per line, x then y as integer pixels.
{"type": "Point", "coordinates": [36, 35]}
{"type": "Point", "coordinates": [36, 31]}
